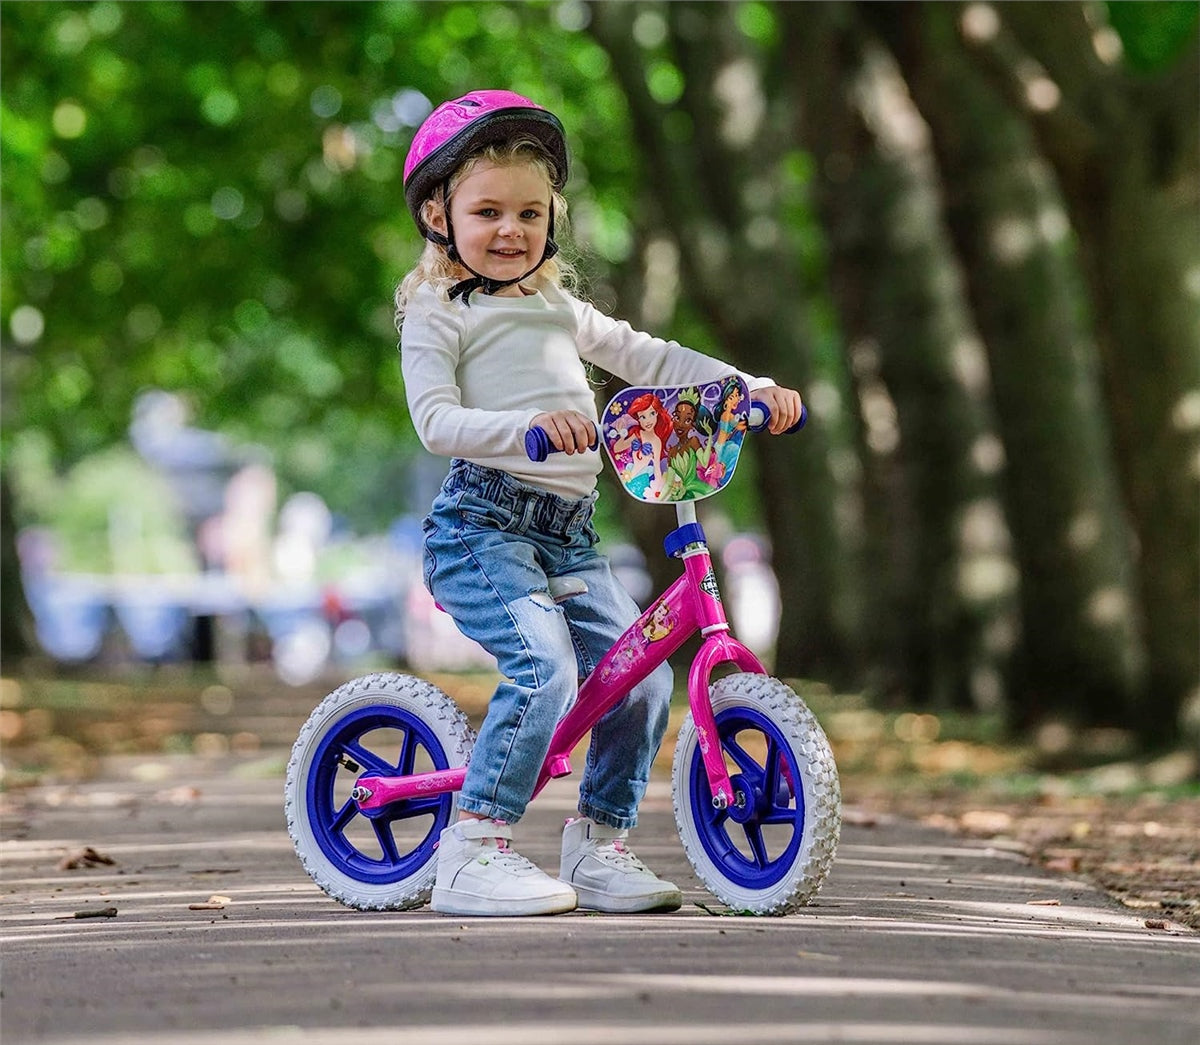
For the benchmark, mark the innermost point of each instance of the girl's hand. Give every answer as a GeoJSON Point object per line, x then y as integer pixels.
{"type": "Point", "coordinates": [784, 404]}
{"type": "Point", "coordinates": [569, 430]}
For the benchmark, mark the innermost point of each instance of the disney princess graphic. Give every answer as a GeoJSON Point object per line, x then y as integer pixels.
{"type": "Point", "coordinates": [696, 467]}
{"type": "Point", "coordinates": [732, 419]}
{"type": "Point", "coordinates": [676, 443]}
{"type": "Point", "coordinates": [660, 624]}
{"type": "Point", "coordinates": [687, 424]}
{"type": "Point", "coordinates": [643, 445]}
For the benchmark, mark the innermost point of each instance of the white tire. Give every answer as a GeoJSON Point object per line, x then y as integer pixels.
{"type": "Point", "coordinates": [388, 724]}
{"type": "Point", "coordinates": [771, 854]}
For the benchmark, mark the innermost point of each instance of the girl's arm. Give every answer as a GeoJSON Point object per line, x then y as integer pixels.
{"type": "Point", "coordinates": [430, 345]}
{"type": "Point", "coordinates": [643, 359]}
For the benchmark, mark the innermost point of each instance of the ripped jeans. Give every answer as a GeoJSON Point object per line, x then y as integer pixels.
{"type": "Point", "coordinates": [491, 542]}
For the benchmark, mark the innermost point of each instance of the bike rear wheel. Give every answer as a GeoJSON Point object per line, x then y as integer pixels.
{"type": "Point", "coordinates": [393, 725]}
{"type": "Point", "coordinates": [770, 853]}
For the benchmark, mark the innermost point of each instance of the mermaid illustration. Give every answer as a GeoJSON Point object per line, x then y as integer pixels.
{"type": "Point", "coordinates": [646, 443]}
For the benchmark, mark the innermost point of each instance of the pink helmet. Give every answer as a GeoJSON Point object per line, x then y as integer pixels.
{"type": "Point", "coordinates": [458, 128]}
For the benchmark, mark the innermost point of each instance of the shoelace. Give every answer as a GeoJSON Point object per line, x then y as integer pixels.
{"type": "Point", "coordinates": [507, 858]}
{"type": "Point", "coordinates": [617, 854]}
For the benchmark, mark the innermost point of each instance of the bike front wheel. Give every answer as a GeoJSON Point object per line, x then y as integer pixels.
{"type": "Point", "coordinates": [386, 724]}
{"type": "Point", "coordinates": [769, 852]}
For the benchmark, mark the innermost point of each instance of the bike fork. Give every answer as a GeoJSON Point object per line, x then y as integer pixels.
{"type": "Point", "coordinates": [716, 649]}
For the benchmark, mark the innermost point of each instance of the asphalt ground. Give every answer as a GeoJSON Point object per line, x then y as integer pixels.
{"type": "Point", "coordinates": [219, 938]}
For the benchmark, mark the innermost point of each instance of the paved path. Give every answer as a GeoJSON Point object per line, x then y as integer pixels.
{"type": "Point", "coordinates": [916, 937]}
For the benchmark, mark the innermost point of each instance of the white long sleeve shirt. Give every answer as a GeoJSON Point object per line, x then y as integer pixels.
{"type": "Point", "coordinates": [476, 376]}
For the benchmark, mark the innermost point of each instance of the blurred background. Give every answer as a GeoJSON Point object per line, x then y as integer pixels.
{"type": "Point", "coordinates": [969, 233]}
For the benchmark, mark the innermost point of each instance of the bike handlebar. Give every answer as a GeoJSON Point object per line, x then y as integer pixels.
{"type": "Point", "coordinates": [538, 445]}
{"type": "Point", "coordinates": [762, 411]}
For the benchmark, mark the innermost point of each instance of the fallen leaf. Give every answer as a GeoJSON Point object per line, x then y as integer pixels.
{"type": "Point", "coordinates": [1156, 923]}
{"type": "Point", "coordinates": [103, 912]}
{"type": "Point", "coordinates": [986, 821]}
{"type": "Point", "coordinates": [85, 856]}
{"type": "Point", "coordinates": [178, 796]}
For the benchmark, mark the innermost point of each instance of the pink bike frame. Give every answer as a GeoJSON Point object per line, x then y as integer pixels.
{"type": "Point", "coordinates": [691, 604]}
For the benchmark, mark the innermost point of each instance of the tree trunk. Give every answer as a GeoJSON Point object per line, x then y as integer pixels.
{"type": "Point", "coordinates": [1124, 149]}
{"type": "Point", "coordinates": [746, 289]}
{"type": "Point", "coordinates": [1079, 651]}
{"type": "Point", "coordinates": [934, 533]}
{"type": "Point", "coordinates": [16, 621]}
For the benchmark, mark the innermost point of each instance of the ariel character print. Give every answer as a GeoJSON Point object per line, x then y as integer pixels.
{"type": "Point", "coordinates": [645, 443]}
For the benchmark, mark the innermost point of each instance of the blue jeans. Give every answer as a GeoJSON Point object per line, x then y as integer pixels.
{"type": "Point", "coordinates": [491, 542]}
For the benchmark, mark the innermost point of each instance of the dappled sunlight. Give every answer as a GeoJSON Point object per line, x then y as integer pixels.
{"type": "Point", "coordinates": [969, 359]}
{"type": "Point", "coordinates": [980, 22]}
{"type": "Point", "coordinates": [1041, 92]}
{"type": "Point", "coordinates": [987, 454]}
{"type": "Point", "coordinates": [1108, 607]}
{"type": "Point", "coordinates": [739, 93]}
{"type": "Point", "coordinates": [1014, 239]}
{"type": "Point", "coordinates": [1107, 45]}
{"type": "Point", "coordinates": [1186, 414]}
{"type": "Point", "coordinates": [235, 906]}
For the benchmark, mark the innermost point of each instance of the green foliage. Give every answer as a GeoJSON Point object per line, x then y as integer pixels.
{"type": "Point", "coordinates": [206, 198]}
{"type": "Point", "coordinates": [1154, 32]}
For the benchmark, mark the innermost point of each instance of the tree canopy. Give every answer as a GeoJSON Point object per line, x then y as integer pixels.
{"type": "Point", "coordinates": [966, 231]}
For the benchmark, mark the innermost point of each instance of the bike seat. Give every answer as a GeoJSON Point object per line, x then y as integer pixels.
{"type": "Point", "coordinates": [565, 587]}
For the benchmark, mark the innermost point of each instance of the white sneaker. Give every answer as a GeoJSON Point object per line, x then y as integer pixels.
{"type": "Point", "coordinates": [477, 873]}
{"type": "Point", "coordinates": [605, 874]}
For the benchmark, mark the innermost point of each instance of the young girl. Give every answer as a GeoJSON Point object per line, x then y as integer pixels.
{"type": "Point", "coordinates": [491, 345]}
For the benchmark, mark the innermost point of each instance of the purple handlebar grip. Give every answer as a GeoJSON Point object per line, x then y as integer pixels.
{"type": "Point", "coordinates": [539, 447]}
{"type": "Point", "coordinates": [766, 412]}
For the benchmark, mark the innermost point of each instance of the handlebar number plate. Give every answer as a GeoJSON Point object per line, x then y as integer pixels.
{"type": "Point", "coordinates": [676, 443]}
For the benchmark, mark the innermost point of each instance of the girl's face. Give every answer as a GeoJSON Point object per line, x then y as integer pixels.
{"type": "Point", "coordinates": [501, 219]}
{"type": "Point", "coordinates": [648, 418]}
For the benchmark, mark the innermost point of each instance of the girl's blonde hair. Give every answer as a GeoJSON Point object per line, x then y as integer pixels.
{"type": "Point", "coordinates": [434, 265]}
